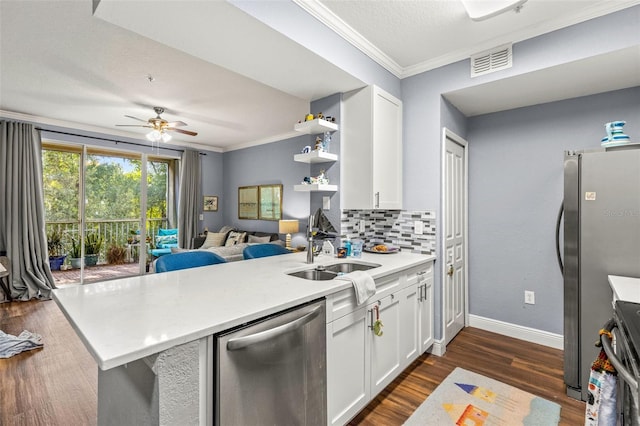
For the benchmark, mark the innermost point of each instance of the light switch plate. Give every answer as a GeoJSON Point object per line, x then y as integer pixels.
{"type": "Point", "coordinates": [362, 226]}
{"type": "Point", "coordinates": [201, 216]}
{"type": "Point", "coordinates": [529, 297]}
{"type": "Point", "coordinates": [326, 202]}
{"type": "Point", "coordinates": [418, 227]}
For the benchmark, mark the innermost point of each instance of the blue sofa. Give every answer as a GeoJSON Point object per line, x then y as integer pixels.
{"type": "Point", "coordinates": [164, 241]}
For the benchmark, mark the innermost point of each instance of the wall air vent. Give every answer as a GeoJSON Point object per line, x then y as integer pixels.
{"type": "Point", "coordinates": [495, 59]}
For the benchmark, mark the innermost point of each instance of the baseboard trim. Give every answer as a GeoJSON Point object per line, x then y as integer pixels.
{"type": "Point", "coordinates": [438, 348]}
{"type": "Point", "coordinates": [532, 335]}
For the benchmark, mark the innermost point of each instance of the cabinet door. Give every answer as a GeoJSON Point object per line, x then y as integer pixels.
{"type": "Point", "coordinates": [425, 314]}
{"type": "Point", "coordinates": [348, 379]}
{"type": "Point", "coordinates": [385, 349]}
{"type": "Point", "coordinates": [387, 150]}
{"type": "Point", "coordinates": [409, 329]}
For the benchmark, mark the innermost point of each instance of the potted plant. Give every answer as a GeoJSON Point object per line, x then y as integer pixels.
{"type": "Point", "coordinates": [116, 254]}
{"type": "Point", "coordinates": [75, 255]}
{"type": "Point", "coordinates": [92, 246]}
{"type": "Point", "coordinates": [54, 246]}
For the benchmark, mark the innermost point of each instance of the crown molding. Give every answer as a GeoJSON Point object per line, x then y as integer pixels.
{"type": "Point", "coordinates": [337, 25]}
{"type": "Point", "coordinates": [270, 139]}
{"type": "Point", "coordinates": [319, 11]}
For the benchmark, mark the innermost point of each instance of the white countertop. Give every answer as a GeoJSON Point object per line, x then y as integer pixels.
{"type": "Point", "coordinates": [625, 288]}
{"type": "Point", "coordinates": [124, 320]}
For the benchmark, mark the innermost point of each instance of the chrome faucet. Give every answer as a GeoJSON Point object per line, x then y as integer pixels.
{"type": "Point", "coordinates": [310, 240]}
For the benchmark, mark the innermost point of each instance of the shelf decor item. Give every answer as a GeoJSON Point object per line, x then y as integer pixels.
{"type": "Point", "coordinates": [615, 135]}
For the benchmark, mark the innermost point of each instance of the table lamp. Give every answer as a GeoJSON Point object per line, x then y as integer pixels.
{"type": "Point", "coordinates": [288, 227]}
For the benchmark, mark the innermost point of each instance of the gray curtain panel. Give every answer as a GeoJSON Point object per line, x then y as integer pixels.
{"type": "Point", "coordinates": [190, 202]}
{"type": "Point", "coordinates": [22, 224]}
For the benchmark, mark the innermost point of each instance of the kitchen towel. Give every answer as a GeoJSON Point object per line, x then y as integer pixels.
{"type": "Point", "coordinates": [363, 284]}
{"type": "Point", "coordinates": [11, 345]}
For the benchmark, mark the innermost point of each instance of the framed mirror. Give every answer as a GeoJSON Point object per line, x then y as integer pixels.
{"type": "Point", "coordinates": [270, 202]}
{"type": "Point", "coordinates": [248, 202]}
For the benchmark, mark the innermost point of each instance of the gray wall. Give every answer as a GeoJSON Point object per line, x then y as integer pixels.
{"type": "Point", "coordinates": [515, 191]}
{"type": "Point", "coordinates": [211, 166]}
{"type": "Point", "coordinates": [262, 165]}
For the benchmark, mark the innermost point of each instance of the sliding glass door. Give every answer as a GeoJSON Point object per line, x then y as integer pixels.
{"type": "Point", "coordinates": [105, 208]}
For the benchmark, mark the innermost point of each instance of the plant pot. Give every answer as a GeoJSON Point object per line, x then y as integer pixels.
{"type": "Point", "coordinates": [55, 262]}
{"type": "Point", "coordinates": [76, 262]}
{"type": "Point", "coordinates": [90, 259]}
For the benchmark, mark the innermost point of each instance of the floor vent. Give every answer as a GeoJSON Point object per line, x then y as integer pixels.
{"type": "Point", "coordinates": [493, 60]}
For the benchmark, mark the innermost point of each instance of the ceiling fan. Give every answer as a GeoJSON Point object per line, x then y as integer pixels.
{"type": "Point", "coordinates": [160, 126]}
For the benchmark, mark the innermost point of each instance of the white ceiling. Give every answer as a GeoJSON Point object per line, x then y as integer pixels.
{"type": "Point", "coordinates": [61, 65]}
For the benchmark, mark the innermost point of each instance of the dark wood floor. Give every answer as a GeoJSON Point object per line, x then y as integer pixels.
{"type": "Point", "coordinates": [56, 385]}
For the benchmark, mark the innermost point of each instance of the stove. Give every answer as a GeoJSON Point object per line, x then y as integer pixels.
{"type": "Point", "coordinates": [623, 354]}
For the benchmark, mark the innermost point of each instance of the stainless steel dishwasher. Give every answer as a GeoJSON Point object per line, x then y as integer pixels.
{"type": "Point", "coordinates": [273, 371]}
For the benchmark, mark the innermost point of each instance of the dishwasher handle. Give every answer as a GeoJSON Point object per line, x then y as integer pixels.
{"type": "Point", "coordinates": [618, 365]}
{"type": "Point", "coordinates": [263, 336]}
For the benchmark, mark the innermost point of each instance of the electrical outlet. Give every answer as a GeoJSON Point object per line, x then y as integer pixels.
{"type": "Point", "coordinates": [326, 202]}
{"type": "Point", "coordinates": [201, 216]}
{"type": "Point", "coordinates": [418, 227]}
{"type": "Point", "coordinates": [529, 297]}
{"type": "Point", "coordinates": [362, 226]}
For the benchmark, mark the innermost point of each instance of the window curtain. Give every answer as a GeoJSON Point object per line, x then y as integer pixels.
{"type": "Point", "coordinates": [22, 224]}
{"type": "Point", "coordinates": [190, 200]}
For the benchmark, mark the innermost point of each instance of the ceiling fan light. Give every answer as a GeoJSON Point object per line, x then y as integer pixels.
{"type": "Point", "coordinates": [166, 137]}
{"type": "Point", "coordinates": [154, 136]}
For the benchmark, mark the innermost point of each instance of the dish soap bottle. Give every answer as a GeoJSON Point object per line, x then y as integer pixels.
{"type": "Point", "coordinates": [347, 245]}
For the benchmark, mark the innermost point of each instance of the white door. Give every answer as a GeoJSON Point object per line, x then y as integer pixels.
{"type": "Point", "coordinates": [454, 259]}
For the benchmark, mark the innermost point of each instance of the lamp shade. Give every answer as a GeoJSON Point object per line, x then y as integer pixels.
{"type": "Point", "coordinates": [288, 226]}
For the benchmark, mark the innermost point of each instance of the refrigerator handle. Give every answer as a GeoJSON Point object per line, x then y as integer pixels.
{"type": "Point", "coordinates": [558, 220]}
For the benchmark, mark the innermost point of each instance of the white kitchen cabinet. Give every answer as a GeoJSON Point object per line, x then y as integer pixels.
{"type": "Point", "coordinates": [385, 349]}
{"type": "Point", "coordinates": [359, 363]}
{"type": "Point", "coordinates": [348, 365]}
{"type": "Point", "coordinates": [371, 150]}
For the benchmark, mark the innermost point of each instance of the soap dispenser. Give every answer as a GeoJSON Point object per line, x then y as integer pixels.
{"type": "Point", "coordinates": [347, 245]}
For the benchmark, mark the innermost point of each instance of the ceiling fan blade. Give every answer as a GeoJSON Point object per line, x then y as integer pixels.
{"type": "Point", "coordinates": [176, 124]}
{"type": "Point", "coordinates": [186, 132]}
{"type": "Point", "coordinates": [132, 125]}
{"type": "Point", "coordinates": [135, 118]}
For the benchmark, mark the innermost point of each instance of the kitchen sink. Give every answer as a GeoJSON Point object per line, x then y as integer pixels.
{"type": "Point", "coordinates": [345, 268]}
{"type": "Point", "coordinates": [329, 272]}
{"type": "Point", "coordinates": [314, 274]}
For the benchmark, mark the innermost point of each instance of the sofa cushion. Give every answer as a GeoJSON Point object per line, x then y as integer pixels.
{"type": "Point", "coordinates": [166, 241]}
{"type": "Point", "coordinates": [254, 239]}
{"type": "Point", "coordinates": [235, 237]}
{"type": "Point", "coordinates": [214, 239]}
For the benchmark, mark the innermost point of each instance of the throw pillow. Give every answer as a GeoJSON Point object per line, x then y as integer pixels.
{"type": "Point", "coordinates": [254, 239]}
{"type": "Point", "coordinates": [226, 229]}
{"type": "Point", "coordinates": [235, 238]}
{"type": "Point", "coordinates": [214, 239]}
{"type": "Point", "coordinates": [178, 250]}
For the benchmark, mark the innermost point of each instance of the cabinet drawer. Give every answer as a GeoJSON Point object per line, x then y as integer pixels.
{"type": "Point", "coordinates": [344, 302]}
{"type": "Point", "coordinates": [418, 274]}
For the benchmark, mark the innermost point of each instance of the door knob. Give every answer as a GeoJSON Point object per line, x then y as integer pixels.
{"type": "Point", "coordinates": [450, 271]}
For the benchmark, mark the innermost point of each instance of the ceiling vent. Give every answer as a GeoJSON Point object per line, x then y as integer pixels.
{"type": "Point", "coordinates": [495, 59]}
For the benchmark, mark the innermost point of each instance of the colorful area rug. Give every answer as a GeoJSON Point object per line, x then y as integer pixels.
{"type": "Point", "coordinates": [469, 399]}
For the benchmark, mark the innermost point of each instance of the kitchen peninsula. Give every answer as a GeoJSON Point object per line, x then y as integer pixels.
{"type": "Point", "coordinates": [150, 335]}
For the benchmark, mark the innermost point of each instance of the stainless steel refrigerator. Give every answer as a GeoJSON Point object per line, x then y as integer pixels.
{"type": "Point", "coordinates": [601, 238]}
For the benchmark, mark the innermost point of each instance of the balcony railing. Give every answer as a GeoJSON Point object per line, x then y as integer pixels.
{"type": "Point", "coordinates": [120, 231]}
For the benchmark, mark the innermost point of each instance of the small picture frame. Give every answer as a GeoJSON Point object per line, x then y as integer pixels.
{"type": "Point", "coordinates": [210, 203]}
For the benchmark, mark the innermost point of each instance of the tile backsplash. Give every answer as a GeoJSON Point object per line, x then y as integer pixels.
{"type": "Point", "coordinates": [394, 227]}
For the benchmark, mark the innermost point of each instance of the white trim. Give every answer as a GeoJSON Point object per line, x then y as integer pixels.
{"type": "Point", "coordinates": [438, 348]}
{"type": "Point", "coordinates": [319, 11]}
{"type": "Point", "coordinates": [344, 30]}
{"type": "Point", "coordinates": [448, 134]}
{"type": "Point", "coordinates": [528, 334]}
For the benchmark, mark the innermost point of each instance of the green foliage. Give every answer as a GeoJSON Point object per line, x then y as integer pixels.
{"type": "Point", "coordinates": [92, 243]}
{"type": "Point", "coordinates": [116, 254]}
{"type": "Point", "coordinates": [112, 187]}
{"type": "Point", "coordinates": [75, 250]}
{"type": "Point", "coordinates": [54, 243]}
